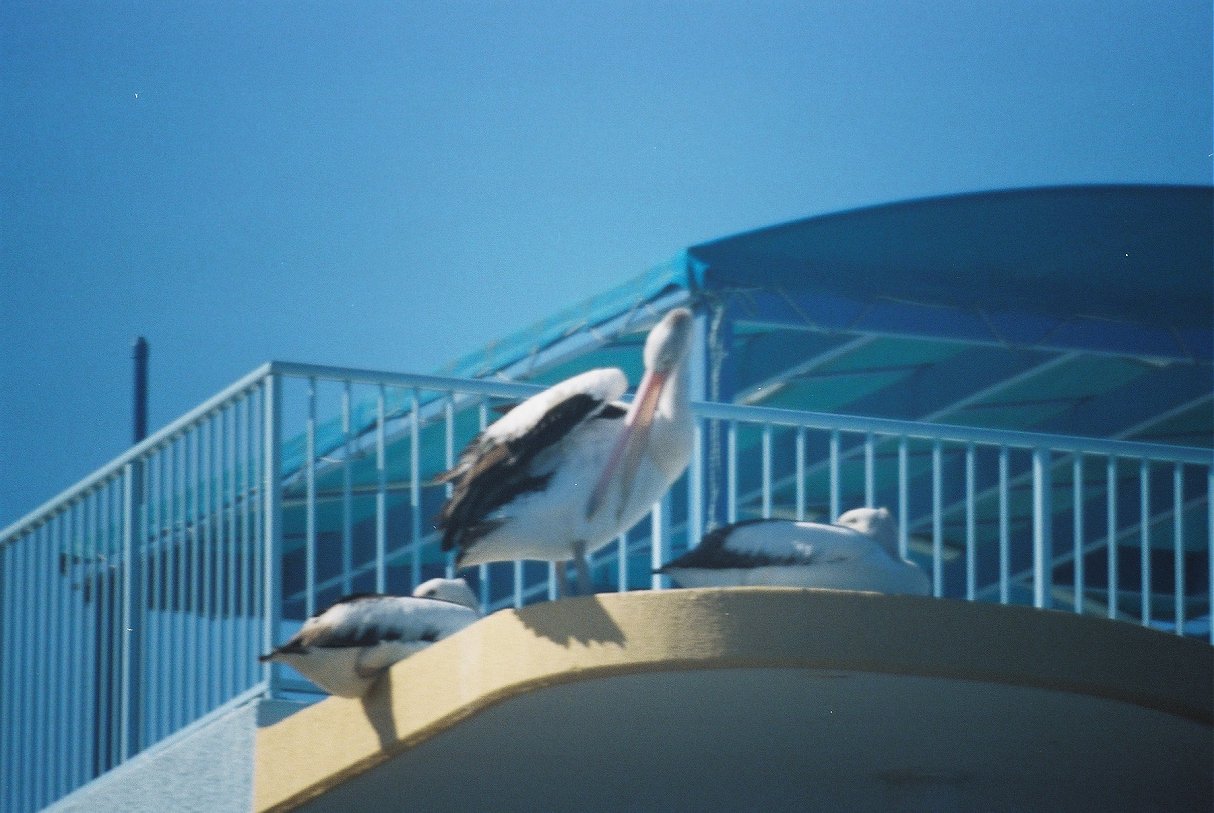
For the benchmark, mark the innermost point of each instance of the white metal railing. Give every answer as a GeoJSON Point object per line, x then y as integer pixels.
{"type": "Point", "coordinates": [136, 602]}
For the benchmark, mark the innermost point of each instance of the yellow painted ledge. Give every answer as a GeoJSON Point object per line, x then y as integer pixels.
{"type": "Point", "coordinates": [515, 651]}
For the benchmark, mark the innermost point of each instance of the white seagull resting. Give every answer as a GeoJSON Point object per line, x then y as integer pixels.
{"type": "Point", "coordinates": [346, 647]}
{"type": "Point", "coordinates": [569, 469]}
{"type": "Point", "coordinates": [858, 552]}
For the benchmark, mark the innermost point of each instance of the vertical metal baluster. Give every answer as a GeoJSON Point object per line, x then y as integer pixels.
{"type": "Point", "coordinates": [126, 680]}
{"type": "Point", "coordinates": [8, 642]}
{"type": "Point", "coordinates": [1004, 530]}
{"type": "Point", "coordinates": [657, 543]}
{"type": "Point", "coordinates": [197, 657]}
{"type": "Point", "coordinates": [766, 472]}
{"type": "Point", "coordinates": [937, 521]}
{"type": "Point", "coordinates": [45, 664]}
{"type": "Point", "coordinates": [731, 506]}
{"type": "Point", "coordinates": [622, 562]}
{"type": "Point", "coordinates": [218, 652]}
{"type": "Point", "coordinates": [799, 478]}
{"type": "Point", "coordinates": [870, 471]}
{"type": "Point", "coordinates": [310, 503]}
{"type": "Point", "coordinates": [971, 535]}
{"type": "Point", "coordinates": [259, 673]}
{"type": "Point", "coordinates": [220, 657]}
{"type": "Point", "coordinates": [482, 571]}
{"type": "Point", "coordinates": [115, 620]}
{"type": "Point", "coordinates": [233, 654]}
{"type": "Point", "coordinates": [272, 517]}
{"type": "Point", "coordinates": [75, 644]}
{"type": "Point", "coordinates": [834, 476]}
{"type": "Point", "coordinates": [518, 583]}
{"type": "Point", "coordinates": [53, 618]}
{"type": "Point", "coordinates": [139, 602]}
{"type": "Point", "coordinates": [73, 677]}
{"type": "Point", "coordinates": [248, 547]}
{"type": "Point", "coordinates": [903, 500]}
{"type": "Point", "coordinates": [185, 688]}
{"type": "Point", "coordinates": [347, 493]}
{"type": "Point", "coordinates": [695, 488]}
{"type": "Point", "coordinates": [23, 727]}
{"type": "Point", "coordinates": [205, 518]}
{"type": "Point", "coordinates": [1042, 516]}
{"type": "Point", "coordinates": [1077, 531]}
{"type": "Point", "coordinates": [1144, 537]}
{"type": "Point", "coordinates": [381, 492]}
{"type": "Point", "coordinates": [448, 464]}
{"type": "Point", "coordinates": [90, 730]}
{"type": "Point", "coordinates": [171, 641]}
{"type": "Point", "coordinates": [79, 680]}
{"type": "Point", "coordinates": [34, 693]}
{"type": "Point", "coordinates": [415, 487]}
{"type": "Point", "coordinates": [1111, 507]}
{"type": "Point", "coordinates": [1178, 591]}
{"type": "Point", "coordinates": [8, 691]}
{"type": "Point", "coordinates": [152, 639]}
{"type": "Point", "coordinates": [105, 629]}
{"type": "Point", "coordinates": [250, 543]}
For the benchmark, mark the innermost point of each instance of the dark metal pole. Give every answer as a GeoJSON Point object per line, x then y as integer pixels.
{"type": "Point", "coordinates": [127, 585]}
{"type": "Point", "coordinates": [140, 354]}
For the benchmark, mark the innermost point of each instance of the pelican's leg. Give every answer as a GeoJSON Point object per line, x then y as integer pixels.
{"type": "Point", "coordinates": [584, 582]}
{"type": "Point", "coordinates": [562, 581]}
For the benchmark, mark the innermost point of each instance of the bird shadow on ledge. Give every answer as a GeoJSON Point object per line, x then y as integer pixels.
{"type": "Point", "coordinates": [377, 706]}
{"type": "Point", "coordinates": [576, 619]}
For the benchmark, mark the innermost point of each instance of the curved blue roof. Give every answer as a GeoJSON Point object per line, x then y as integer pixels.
{"type": "Point", "coordinates": [1130, 266]}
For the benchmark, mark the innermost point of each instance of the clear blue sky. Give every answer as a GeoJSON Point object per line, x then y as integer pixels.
{"type": "Point", "coordinates": [392, 185]}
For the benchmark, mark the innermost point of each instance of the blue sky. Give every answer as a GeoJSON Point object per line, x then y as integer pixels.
{"type": "Point", "coordinates": [391, 185]}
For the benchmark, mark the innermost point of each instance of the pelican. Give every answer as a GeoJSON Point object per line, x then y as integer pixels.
{"type": "Point", "coordinates": [858, 552]}
{"type": "Point", "coordinates": [569, 469]}
{"type": "Point", "coordinates": [346, 647]}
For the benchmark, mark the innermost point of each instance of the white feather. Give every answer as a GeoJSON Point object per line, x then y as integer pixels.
{"type": "Point", "coordinates": [857, 553]}
{"type": "Point", "coordinates": [346, 647]}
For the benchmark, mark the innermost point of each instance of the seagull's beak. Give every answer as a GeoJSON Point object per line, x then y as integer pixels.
{"type": "Point", "coordinates": [626, 455]}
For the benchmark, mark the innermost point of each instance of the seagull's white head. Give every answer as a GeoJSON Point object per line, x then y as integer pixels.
{"type": "Point", "coordinates": [875, 522]}
{"type": "Point", "coordinates": [455, 591]}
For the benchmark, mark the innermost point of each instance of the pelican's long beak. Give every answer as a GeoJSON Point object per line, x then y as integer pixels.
{"type": "Point", "coordinates": [626, 456]}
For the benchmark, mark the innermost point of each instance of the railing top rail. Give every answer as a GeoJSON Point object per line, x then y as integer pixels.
{"type": "Point", "coordinates": [793, 418]}
{"type": "Point", "coordinates": [82, 487]}
{"type": "Point", "coordinates": [475, 386]}
{"type": "Point", "coordinates": [959, 434]}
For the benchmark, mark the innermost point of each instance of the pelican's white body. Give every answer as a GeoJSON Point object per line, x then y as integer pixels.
{"type": "Point", "coordinates": [858, 553]}
{"type": "Point", "coordinates": [402, 625]}
{"type": "Point", "coordinates": [575, 463]}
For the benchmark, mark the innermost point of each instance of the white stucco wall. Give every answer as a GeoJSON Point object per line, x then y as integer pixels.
{"type": "Point", "coordinates": [208, 770]}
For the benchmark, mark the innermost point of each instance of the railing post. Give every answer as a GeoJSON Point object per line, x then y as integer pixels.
{"type": "Point", "coordinates": [272, 518]}
{"type": "Point", "coordinates": [133, 604]}
{"type": "Point", "coordinates": [659, 534]}
{"type": "Point", "coordinates": [1043, 553]}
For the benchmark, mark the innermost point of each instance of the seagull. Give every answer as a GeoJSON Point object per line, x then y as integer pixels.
{"type": "Point", "coordinates": [569, 469]}
{"type": "Point", "coordinates": [858, 552]}
{"type": "Point", "coordinates": [346, 647]}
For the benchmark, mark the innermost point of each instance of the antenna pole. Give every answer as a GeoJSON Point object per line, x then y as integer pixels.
{"type": "Point", "coordinates": [140, 354]}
